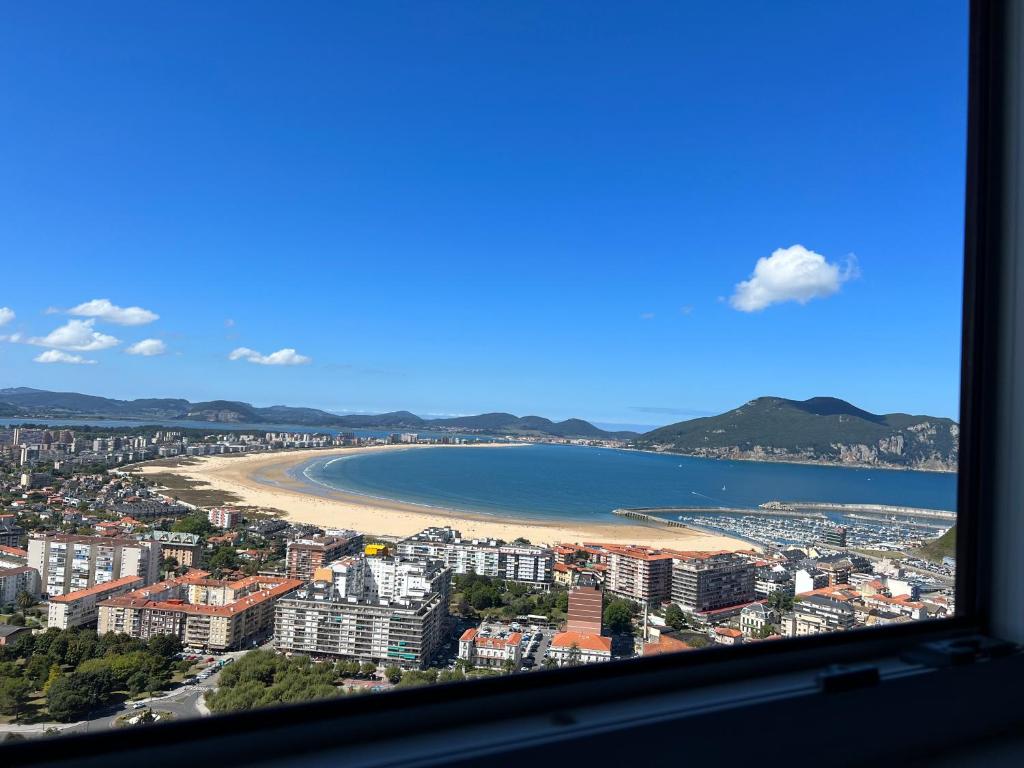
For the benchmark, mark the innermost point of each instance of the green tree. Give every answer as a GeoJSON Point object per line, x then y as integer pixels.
{"type": "Point", "coordinates": [197, 523]}
{"type": "Point", "coordinates": [24, 600]}
{"type": "Point", "coordinates": [548, 663]}
{"type": "Point", "coordinates": [66, 702]}
{"type": "Point", "coordinates": [618, 616]}
{"type": "Point", "coordinates": [393, 674]}
{"type": "Point", "coordinates": [450, 676]}
{"type": "Point", "coordinates": [573, 658]}
{"type": "Point", "coordinates": [14, 692]}
{"type": "Point", "coordinates": [53, 675]}
{"type": "Point", "coordinates": [508, 666]}
{"type": "Point", "coordinates": [368, 668]}
{"type": "Point", "coordinates": [37, 669]}
{"type": "Point", "coordinates": [780, 601]}
{"type": "Point", "coordinates": [675, 617]}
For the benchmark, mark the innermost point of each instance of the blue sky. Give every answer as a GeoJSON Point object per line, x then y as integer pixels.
{"type": "Point", "coordinates": [461, 207]}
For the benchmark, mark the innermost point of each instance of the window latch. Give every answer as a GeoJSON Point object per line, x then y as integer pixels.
{"type": "Point", "coordinates": [959, 651]}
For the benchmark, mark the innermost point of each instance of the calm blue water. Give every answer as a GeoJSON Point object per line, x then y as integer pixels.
{"type": "Point", "coordinates": [545, 481]}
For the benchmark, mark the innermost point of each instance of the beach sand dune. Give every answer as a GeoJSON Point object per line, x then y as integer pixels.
{"type": "Point", "coordinates": [263, 481]}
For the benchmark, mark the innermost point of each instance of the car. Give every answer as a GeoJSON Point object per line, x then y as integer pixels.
{"type": "Point", "coordinates": [528, 662]}
{"type": "Point", "coordinates": [229, 660]}
{"type": "Point", "coordinates": [210, 660]}
{"type": "Point", "coordinates": [138, 705]}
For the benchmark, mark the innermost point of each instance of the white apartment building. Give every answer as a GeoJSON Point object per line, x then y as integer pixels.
{"type": "Point", "coordinates": [76, 609]}
{"type": "Point", "coordinates": [494, 558]}
{"type": "Point", "coordinates": [68, 563]}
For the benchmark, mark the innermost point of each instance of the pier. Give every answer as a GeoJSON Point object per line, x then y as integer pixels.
{"type": "Point", "coordinates": [654, 513]}
{"type": "Point", "coordinates": [884, 510]}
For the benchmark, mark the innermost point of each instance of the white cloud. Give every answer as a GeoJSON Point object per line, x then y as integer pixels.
{"type": "Point", "coordinates": [147, 348]}
{"type": "Point", "coordinates": [285, 356]}
{"type": "Point", "coordinates": [55, 356]}
{"type": "Point", "coordinates": [791, 274]}
{"type": "Point", "coordinates": [77, 335]}
{"type": "Point", "coordinates": [6, 315]}
{"type": "Point", "coordinates": [111, 313]}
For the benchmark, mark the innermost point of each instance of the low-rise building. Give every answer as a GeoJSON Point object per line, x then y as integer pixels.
{"type": "Point", "coordinates": [728, 636]}
{"type": "Point", "coordinates": [572, 649]}
{"type": "Point", "coordinates": [490, 650]}
{"type": "Point", "coordinates": [757, 619]}
{"type": "Point", "coordinates": [80, 608]}
{"type": "Point", "coordinates": [816, 614]}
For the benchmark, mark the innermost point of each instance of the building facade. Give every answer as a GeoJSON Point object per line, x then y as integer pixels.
{"type": "Point", "coordinates": [67, 563]}
{"type": "Point", "coordinates": [816, 614]}
{"type": "Point", "coordinates": [186, 548]}
{"type": "Point", "coordinates": [81, 608]}
{"type": "Point", "coordinates": [489, 651]}
{"type": "Point", "coordinates": [380, 609]}
{"type": "Point", "coordinates": [572, 649]}
{"type": "Point", "coordinates": [638, 573]}
{"type": "Point", "coordinates": [494, 558]}
{"type": "Point", "coordinates": [709, 582]}
{"type": "Point", "coordinates": [17, 579]}
{"type": "Point", "coordinates": [225, 517]}
{"type": "Point", "coordinates": [203, 613]}
{"type": "Point", "coordinates": [305, 556]}
{"type": "Point", "coordinates": [585, 607]}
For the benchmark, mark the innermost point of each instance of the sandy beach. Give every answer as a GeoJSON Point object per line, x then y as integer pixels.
{"type": "Point", "coordinates": [262, 480]}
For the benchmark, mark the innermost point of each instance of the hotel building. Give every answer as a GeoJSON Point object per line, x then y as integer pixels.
{"type": "Point", "coordinates": [636, 573]}
{"type": "Point", "coordinates": [709, 581]}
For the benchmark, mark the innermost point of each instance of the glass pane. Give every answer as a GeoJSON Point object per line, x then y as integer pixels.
{"type": "Point", "coordinates": [347, 350]}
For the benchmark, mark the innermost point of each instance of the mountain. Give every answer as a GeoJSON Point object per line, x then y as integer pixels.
{"type": "Point", "coordinates": [28, 403]}
{"type": "Point", "coordinates": [822, 429]}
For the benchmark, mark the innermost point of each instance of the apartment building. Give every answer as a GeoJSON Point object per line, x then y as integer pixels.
{"type": "Point", "coordinates": [638, 573]}
{"type": "Point", "coordinates": [483, 649]}
{"type": "Point", "coordinates": [186, 548]}
{"type": "Point", "coordinates": [382, 609]}
{"type": "Point", "coordinates": [494, 558]}
{"type": "Point", "coordinates": [585, 607]}
{"type": "Point", "coordinates": [67, 563]}
{"type": "Point", "coordinates": [225, 517]}
{"type": "Point", "coordinates": [816, 614]}
{"type": "Point", "coordinates": [80, 608]}
{"type": "Point", "coordinates": [306, 555]}
{"type": "Point", "coordinates": [709, 581]}
{"type": "Point", "coordinates": [16, 579]}
{"type": "Point", "coordinates": [204, 613]}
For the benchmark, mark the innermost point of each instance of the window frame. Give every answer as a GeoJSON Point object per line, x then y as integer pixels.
{"type": "Point", "coordinates": [987, 262]}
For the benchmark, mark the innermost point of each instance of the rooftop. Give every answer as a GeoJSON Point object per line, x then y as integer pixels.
{"type": "Point", "coordinates": [581, 641]}
{"type": "Point", "coordinates": [98, 589]}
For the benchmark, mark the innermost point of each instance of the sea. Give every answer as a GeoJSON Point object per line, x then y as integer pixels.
{"type": "Point", "coordinates": [575, 482]}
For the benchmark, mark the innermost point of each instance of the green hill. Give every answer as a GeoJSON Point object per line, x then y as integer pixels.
{"type": "Point", "coordinates": [822, 429]}
{"type": "Point", "coordinates": [944, 546]}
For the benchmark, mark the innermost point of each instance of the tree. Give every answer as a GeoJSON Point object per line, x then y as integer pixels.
{"type": "Point", "coordinates": [675, 618]}
{"type": "Point", "coordinates": [548, 663]}
{"type": "Point", "coordinates": [65, 701]}
{"type": "Point", "coordinates": [37, 668]}
{"type": "Point", "coordinates": [53, 675]}
{"type": "Point", "coordinates": [780, 601]}
{"type": "Point", "coordinates": [618, 616]}
{"type": "Point", "coordinates": [24, 600]}
{"type": "Point", "coordinates": [196, 523]}
{"type": "Point", "coordinates": [509, 666]}
{"type": "Point", "coordinates": [14, 692]}
{"type": "Point", "coordinates": [450, 676]}
{"type": "Point", "coordinates": [393, 674]}
{"type": "Point", "coordinates": [165, 645]}
{"type": "Point", "coordinates": [574, 657]}
{"type": "Point", "coordinates": [368, 668]}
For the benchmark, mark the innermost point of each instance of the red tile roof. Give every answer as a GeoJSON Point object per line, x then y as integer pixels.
{"type": "Point", "coordinates": [98, 589]}
{"type": "Point", "coordinates": [581, 641]}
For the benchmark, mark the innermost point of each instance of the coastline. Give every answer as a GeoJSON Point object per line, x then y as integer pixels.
{"type": "Point", "coordinates": [798, 462]}
{"type": "Point", "coordinates": [266, 481]}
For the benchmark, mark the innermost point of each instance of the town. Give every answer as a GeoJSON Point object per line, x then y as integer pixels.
{"type": "Point", "coordinates": [124, 605]}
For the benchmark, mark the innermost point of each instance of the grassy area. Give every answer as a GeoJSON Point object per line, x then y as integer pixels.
{"type": "Point", "coordinates": [944, 546]}
{"type": "Point", "coordinates": [192, 491]}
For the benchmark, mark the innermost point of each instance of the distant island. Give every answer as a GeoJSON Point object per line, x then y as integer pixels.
{"type": "Point", "coordinates": [822, 430]}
